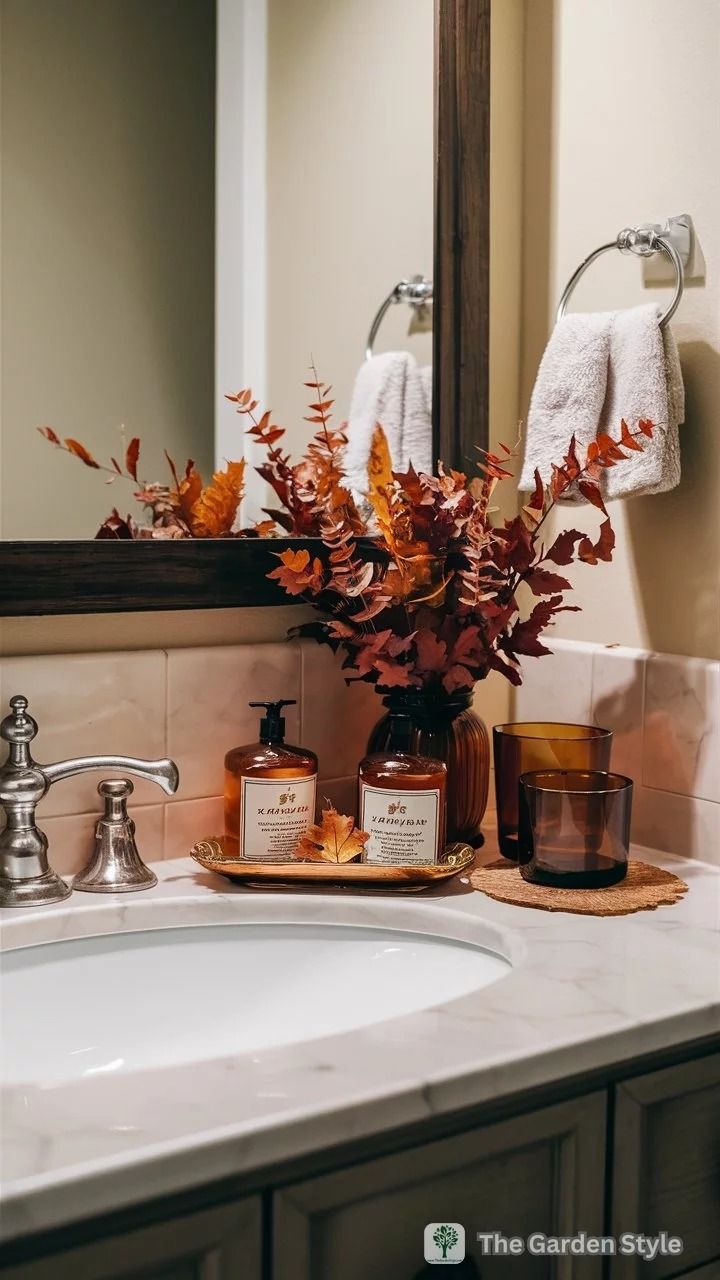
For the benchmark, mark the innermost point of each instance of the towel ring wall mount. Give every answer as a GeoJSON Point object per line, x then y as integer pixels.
{"type": "Point", "coordinates": [417, 292]}
{"type": "Point", "coordinates": [674, 240]}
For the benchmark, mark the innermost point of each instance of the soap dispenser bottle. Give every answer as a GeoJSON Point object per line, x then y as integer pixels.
{"type": "Point", "coordinates": [269, 792]}
{"type": "Point", "coordinates": [402, 802]}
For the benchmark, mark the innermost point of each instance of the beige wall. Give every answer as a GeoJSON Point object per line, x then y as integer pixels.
{"type": "Point", "coordinates": [350, 186]}
{"type": "Point", "coordinates": [107, 247]}
{"type": "Point", "coordinates": [622, 125]}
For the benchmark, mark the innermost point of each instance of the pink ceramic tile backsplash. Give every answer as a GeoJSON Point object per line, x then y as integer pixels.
{"type": "Point", "coordinates": [665, 715]}
{"type": "Point", "coordinates": [189, 821]}
{"type": "Point", "coordinates": [618, 681]}
{"type": "Point", "coordinates": [208, 691]}
{"type": "Point", "coordinates": [557, 687]}
{"type": "Point", "coordinates": [336, 718]}
{"type": "Point", "coordinates": [682, 726]}
{"type": "Point", "coordinates": [91, 704]}
{"type": "Point", "coordinates": [192, 704]}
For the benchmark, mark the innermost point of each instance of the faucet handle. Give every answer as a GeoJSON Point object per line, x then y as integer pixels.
{"type": "Point", "coordinates": [18, 727]}
{"type": "Point", "coordinates": [115, 792]}
{"type": "Point", "coordinates": [115, 865]}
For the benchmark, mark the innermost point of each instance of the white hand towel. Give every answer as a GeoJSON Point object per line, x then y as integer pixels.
{"type": "Point", "coordinates": [391, 390]}
{"type": "Point", "coordinates": [644, 381]}
{"type": "Point", "coordinates": [568, 395]}
{"type": "Point", "coordinates": [417, 422]}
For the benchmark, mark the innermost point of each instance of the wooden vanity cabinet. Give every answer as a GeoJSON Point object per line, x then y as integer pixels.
{"type": "Point", "coordinates": [666, 1167]}
{"type": "Point", "coordinates": [542, 1172]}
{"type": "Point", "coordinates": [222, 1243]}
{"type": "Point", "coordinates": [641, 1156]}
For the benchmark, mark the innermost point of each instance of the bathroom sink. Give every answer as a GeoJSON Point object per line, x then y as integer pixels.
{"type": "Point", "coordinates": [134, 1001]}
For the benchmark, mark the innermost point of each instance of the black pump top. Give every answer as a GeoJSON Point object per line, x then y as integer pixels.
{"type": "Point", "coordinates": [272, 724]}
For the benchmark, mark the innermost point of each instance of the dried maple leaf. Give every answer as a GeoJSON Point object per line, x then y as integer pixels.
{"type": "Point", "coordinates": [431, 652]}
{"type": "Point", "coordinates": [543, 583]}
{"type": "Point", "coordinates": [116, 528]}
{"type": "Point", "coordinates": [563, 548]}
{"type": "Point", "coordinates": [297, 573]}
{"type": "Point", "coordinates": [457, 677]}
{"type": "Point", "coordinates": [334, 839]}
{"type": "Point", "coordinates": [213, 514]}
{"type": "Point", "coordinates": [592, 552]}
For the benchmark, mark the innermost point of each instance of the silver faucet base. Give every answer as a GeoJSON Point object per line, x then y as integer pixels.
{"type": "Point", "coordinates": [147, 882]}
{"type": "Point", "coordinates": [35, 892]}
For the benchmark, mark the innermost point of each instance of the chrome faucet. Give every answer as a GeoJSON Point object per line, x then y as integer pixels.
{"type": "Point", "coordinates": [26, 878]}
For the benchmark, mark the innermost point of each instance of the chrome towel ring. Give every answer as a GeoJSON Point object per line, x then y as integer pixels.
{"type": "Point", "coordinates": [642, 241]}
{"type": "Point", "coordinates": [417, 293]}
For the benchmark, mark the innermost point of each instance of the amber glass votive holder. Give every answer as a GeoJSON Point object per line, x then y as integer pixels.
{"type": "Point", "coordinates": [527, 745]}
{"type": "Point", "coordinates": [574, 827]}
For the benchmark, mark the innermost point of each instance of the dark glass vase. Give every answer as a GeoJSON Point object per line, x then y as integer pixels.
{"type": "Point", "coordinates": [446, 728]}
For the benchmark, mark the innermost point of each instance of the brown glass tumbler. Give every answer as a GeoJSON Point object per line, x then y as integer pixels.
{"type": "Point", "coordinates": [520, 747]}
{"type": "Point", "coordinates": [574, 827]}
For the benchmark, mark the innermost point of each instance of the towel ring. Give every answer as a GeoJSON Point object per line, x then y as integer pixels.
{"type": "Point", "coordinates": [642, 241]}
{"type": "Point", "coordinates": [416, 292]}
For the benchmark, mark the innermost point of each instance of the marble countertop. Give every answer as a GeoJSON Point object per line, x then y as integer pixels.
{"type": "Point", "coordinates": [583, 993]}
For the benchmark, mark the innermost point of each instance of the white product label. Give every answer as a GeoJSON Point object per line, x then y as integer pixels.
{"type": "Point", "coordinates": [403, 825]}
{"type": "Point", "coordinates": [274, 814]}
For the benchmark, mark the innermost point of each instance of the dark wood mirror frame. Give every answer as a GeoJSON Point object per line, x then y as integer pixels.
{"type": "Point", "coordinates": [51, 577]}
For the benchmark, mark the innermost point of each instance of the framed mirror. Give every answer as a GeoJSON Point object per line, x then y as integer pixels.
{"type": "Point", "coordinates": [205, 195]}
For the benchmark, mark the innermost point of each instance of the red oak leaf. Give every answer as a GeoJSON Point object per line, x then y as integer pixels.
{"type": "Point", "coordinates": [431, 652]}
{"type": "Point", "coordinates": [457, 677]}
{"type": "Point", "coordinates": [543, 583]}
{"type": "Point", "coordinates": [591, 552]}
{"type": "Point", "coordinates": [562, 550]}
{"type": "Point", "coordinates": [391, 675]}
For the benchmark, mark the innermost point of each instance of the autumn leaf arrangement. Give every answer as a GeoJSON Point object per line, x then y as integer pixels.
{"type": "Point", "coordinates": [186, 507]}
{"type": "Point", "coordinates": [417, 582]}
{"type": "Point", "coordinates": [433, 592]}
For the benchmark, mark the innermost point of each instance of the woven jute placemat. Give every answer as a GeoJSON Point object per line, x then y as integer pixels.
{"type": "Point", "coordinates": [644, 888]}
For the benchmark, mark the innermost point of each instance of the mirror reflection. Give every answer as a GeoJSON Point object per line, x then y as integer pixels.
{"type": "Point", "coordinates": [199, 197]}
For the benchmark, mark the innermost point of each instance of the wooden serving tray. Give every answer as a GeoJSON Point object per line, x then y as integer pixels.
{"type": "Point", "coordinates": [212, 856]}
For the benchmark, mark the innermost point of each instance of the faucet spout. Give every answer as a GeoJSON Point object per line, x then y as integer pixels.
{"type": "Point", "coordinates": [162, 772]}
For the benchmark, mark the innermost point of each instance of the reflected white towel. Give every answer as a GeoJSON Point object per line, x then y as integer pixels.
{"type": "Point", "coordinates": [644, 381]}
{"type": "Point", "coordinates": [416, 444]}
{"type": "Point", "coordinates": [392, 390]}
{"type": "Point", "coordinates": [568, 395]}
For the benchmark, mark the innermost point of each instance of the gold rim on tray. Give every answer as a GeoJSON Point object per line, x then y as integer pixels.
{"type": "Point", "coordinates": [211, 855]}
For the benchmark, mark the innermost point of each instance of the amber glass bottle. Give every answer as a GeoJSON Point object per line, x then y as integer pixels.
{"type": "Point", "coordinates": [269, 792]}
{"type": "Point", "coordinates": [402, 802]}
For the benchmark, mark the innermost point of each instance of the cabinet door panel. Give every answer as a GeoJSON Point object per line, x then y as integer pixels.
{"type": "Point", "coordinates": [216, 1244]}
{"type": "Point", "coordinates": [666, 1174]}
{"type": "Point", "coordinates": [539, 1173]}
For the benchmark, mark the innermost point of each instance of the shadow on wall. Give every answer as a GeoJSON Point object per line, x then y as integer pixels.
{"type": "Point", "coordinates": [657, 749]}
{"type": "Point", "coordinates": [675, 536]}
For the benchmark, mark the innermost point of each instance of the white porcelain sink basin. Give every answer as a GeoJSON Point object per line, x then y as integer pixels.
{"type": "Point", "coordinates": [126, 1002]}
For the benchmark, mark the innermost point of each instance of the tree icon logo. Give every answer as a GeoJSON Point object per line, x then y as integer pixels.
{"type": "Point", "coordinates": [444, 1243]}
